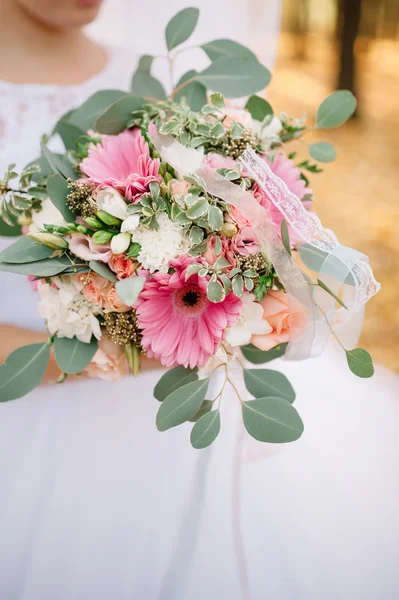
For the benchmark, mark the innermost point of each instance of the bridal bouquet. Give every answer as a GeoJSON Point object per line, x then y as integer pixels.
{"type": "Point", "coordinates": [182, 229]}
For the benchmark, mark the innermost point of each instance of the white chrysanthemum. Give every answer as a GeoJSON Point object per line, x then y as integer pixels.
{"type": "Point", "coordinates": [47, 215]}
{"type": "Point", "coordinates": [250, 322]}
{"type": "Point", "coordinates": [66, 311]}
{"type": "Point", "coordinates": [158, 248]}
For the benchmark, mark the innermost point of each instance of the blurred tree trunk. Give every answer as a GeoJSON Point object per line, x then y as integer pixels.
{"type": "Point", "coordinates": [348, 29]}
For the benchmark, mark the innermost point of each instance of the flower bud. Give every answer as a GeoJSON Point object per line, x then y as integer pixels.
{"type": "Point", "coordinates": [62, 230]}
{"type": "Point", "coordinates": [94, 223]}
{"type": "Point", "coordinates": [71, 226]}
{"type": "Point", "coordinates": [50, 240]}
{"type": "Point", "coordinates": [229, 229]}
{"type": "Point", "coordinates": [112, 202]}
{"type": "Point", "coordinates": [107, 218]}
{"type": "Point", "coordinates": [101, 237]}
{"type": "Point", "coordinates": [130, 224]}
{"type": "Point", "coordinates": [120, 243]}
{"type": "Point", "coordinates": [82, 229]}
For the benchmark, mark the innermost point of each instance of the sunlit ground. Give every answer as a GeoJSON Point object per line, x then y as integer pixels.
{"type": "Point", "coordinates": [358, 195]}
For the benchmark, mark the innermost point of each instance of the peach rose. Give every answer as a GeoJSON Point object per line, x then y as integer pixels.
{"type": "Point", "coordinates": [109, 362]}
{"type": "Point", "coordinates": [245, 242]}
{"type": "Point", "coordinates": [283, 313]}
{"type": "Point", "coordinates": [123, 266]}
{"type": "Point", "coordinates": [237, 217]}
{"type": "Point", "coordinates": [227, 252]}
{"type": "Point", "coordinates": [178, 188]}
{"type": "Point", "coordinates": [237, 115]}
{"type": "Point", "coordinates": [113, 303]}
{"type": "Point", "coordinates": [95, 288]}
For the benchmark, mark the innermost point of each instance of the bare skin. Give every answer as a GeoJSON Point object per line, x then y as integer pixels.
{"type": "Point", "coordinates": [42, 42]}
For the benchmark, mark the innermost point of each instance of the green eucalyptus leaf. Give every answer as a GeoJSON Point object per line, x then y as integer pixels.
{"type": "Point", "coordinates": [259, 357]}
{"type": "Point", "coordinates": [216, 292]}
{"type": "Point", "coordinates": [323, 151]}
{"type": "Point", "coordinates": [103, 270]}
{"type": "Point", "coordinates": [182, 404]}
{"type": "Point", "coordinates": [258, 107]}
{"type": "Point", "coordinates": [42, 268]}
{"type": "Point", "coordinates": [69, 133]}
{"type": "Point", "coordinates": [327, 289]}
{"type": "Point", "coordinates": [336, 109]}
{"type": "Point", "coordinates": [25, 250]}
{"type": "Point", "coordinates": [194, 92]}
{"type": "Point", "coordinates": [173, 380]}
{"type": "Point", "coordinates": [360, 362]}
{"type": "Point", "coordinates": [129, 289]}
{"type": "Point", "coordinates": [117, 116]}
{"type": "Point", "coordinates": [145, 63]}
{"type": "Point", "coordinates": [180, 27]}
{"type": "Point", "coordinates": [57, 188]}
{"type": "Point", "coordinates": [285, 236]}
{"type": "Point", "coordinates": [266, 382]}
{"type": "Point", "coordinates": [72, 355]}
{"type": "Point", "coordinates": [205, 430]}
{"type": "Point", "coordinates": [272, 420]}
{"type": "Point", "coordinates": [13, 230]}
{"type": "Point", "coordinates": [314, 259]}
{"type": "Point", "coordinates": [145, 85]}
{"type": "Point", "coordinates": [223, 48]}
{"type": "Point", "coordinates": [58, 163]}
{"type": "Point", "coordinates": [86, 115]}
{"type": "Point", "coordinates": [235, 77]}
{"type": "Point", "coordinates": [206, 407]}
{"type": "Point", "coordinates": [23, 370]}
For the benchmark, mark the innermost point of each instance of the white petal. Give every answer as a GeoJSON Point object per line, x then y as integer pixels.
{"type": "Point", "coordinates": [130, 224]}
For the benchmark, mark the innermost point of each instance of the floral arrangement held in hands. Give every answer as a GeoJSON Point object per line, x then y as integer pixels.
{"type": "Point", "coordinates": [182, 229]}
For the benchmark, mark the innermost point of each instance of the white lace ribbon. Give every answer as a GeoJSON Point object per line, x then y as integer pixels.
{"type": "Point", "coordinates": [338, 261]}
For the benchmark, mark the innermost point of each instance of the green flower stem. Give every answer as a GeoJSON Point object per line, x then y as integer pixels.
{"type": "Point", "coordinates": [133, 356]}
{"type": "Point", "coordinates": [330, 327]}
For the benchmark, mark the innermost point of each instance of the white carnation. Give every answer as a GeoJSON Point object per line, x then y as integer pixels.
{"type": "Point", "coordinates": [158, 248]}
{"type": "Point", "coordinates": [250, 322]}
{"type": "Point", "coordinates": [47, 215]}
{"type": "Point", "coordinates": [66, 311]}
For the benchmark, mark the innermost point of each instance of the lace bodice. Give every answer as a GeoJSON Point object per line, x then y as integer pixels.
{"type": "Point", "coordinates": [26, 112]}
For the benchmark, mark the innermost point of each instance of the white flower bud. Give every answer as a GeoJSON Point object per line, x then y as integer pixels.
{"type": "Point", "coordinates": [131, 223]}
{"type": "Point", "coordinates": [112, 202]}
{"type": "Point", "coordinates": [120, 243]}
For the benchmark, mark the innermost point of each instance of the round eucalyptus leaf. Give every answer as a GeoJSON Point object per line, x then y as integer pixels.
{"type": "Point", "coordinates": [205, 430]}
{"type": "Point", "coordinates": [116, 117]}
{"type": "Point", "coordinates": [25, 250]}
{"type": "Point", "coordinates": [259, 357]}
{"type": "Point", "coordinates": [86, 115]}
{"type": "Point", "coordinates": [172, 380]}
{"type": "Point", "coordinates": [206, 407]}
{"type": "Point", "coordinates": [360, 362]}
{"type": "Point", "coordinates": [182, 404]}
{"type": "Point", "coordinates": [57, 187]}
{"type": "Point", "coordinates": [323, 151]}
{"type": "Point", "coordinates": [103, 270]}
{"type": "Point", "coordinates": [13, 230]}
{"type": "Point", "coordinates": [336, 109]}
{"type": "Point", "coordinates": [145, 85]}
{"type": "Point", "coordinates": [258, 107]}
{"type": "Point", "coordinates": [59, 163]}
{"type": "Point", "coordinates": [194, 92]}
{"type": "Point", "coordinates": [69, 133]}
{"type": "Point", "coordinates": [235, 77]}
{"type": "Point", "coordinates": [272, 420]}
{"type": "Point", "coordinates": [266, 382]}
{"type": "Point", "coordinates": [42, 268]}
{"type": "Point", "coordinates": [23, 370]}
{"type": "Point", "coordinates": [72, 355]}
{"type": "Point", "coordinates": [129, 289]}
{"type": "Point", "coordinates": [180, 27]}
{"type": "Point", "coordinates": [223, 48]}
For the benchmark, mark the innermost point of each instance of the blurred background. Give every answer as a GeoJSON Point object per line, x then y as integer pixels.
{"type": "Point", "coordinates": [314, 47]}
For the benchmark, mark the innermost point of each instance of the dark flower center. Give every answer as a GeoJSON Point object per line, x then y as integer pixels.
{"type": "Point", "coordinates": [191, 298]}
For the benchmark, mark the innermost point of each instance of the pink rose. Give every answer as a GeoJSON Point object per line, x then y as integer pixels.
{"type": "Point", "coordinates": [285, 314]}
{"type": "Point", "coordinates": [227, 252]}
{"type": "Point", "coordinates": [109, 362]}
{"type": "Point", "coordinates": [245, 242]}
{"type": "Point", "coordinates": [95, 288]}
{"type": "Point", "coordinates": [178, 188]}
{"type": "Point", "coordinates": [237, 217]}
{"type": "Point", "coordinates": [83, 247]}
{"type": "Point", "coordinates": [217, 161]}
{"type": "Point", "coordinates": [113, 303]}
{"type": "Point", "coordinates": [237, 115]}
{"type": "Point", "coordinates": [123, 266]}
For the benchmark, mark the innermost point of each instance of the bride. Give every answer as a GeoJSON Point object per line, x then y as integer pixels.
{"type": "Point", "coordinates": [95, 503]}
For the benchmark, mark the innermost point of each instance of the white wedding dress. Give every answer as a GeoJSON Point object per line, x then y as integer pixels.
{"type": "Point", "coordinates": [95, 503]}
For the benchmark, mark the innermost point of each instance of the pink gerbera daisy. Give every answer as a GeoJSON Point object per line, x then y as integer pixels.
{"type": "Point", "coordinates": [122, 161]}
{"type": "Point", "coordinates": [284, 168]}
{"type": "Point", "coordinates": [180, 325]}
